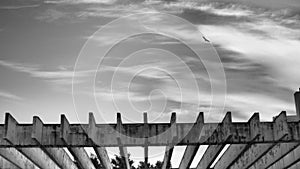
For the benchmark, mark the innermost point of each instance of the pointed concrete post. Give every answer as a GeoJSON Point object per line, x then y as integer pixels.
{"type": "Point", "coordinates": [297, 103]}
{"type": "Point", "coordinates": [146, 135]}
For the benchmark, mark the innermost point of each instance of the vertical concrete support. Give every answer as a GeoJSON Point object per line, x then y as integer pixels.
{"type": "Point", "coordinates": [123, 150]}
{"type": "Point", "coordinates": [146, 135]}
{"type": "Point", "coordinates": [191, 150]}
{"type": "Point", "coordinates": [234, 150]}
{"type": "Point", "coordinates": [169, 149]}
{"type": "Point", "coordinates": [100, 151]}
{"type": "Point", "coordinates": [297, 103]}
{"type": "Point", "coordinates": [4, 164]}
{"type": "Point", "coordinates": [213, 151]}
{"type": "Point", "coordinates": [256, 151]}
{"type": "Point", "coordinates": [17, 158]}
{"type": "Point", "coordinates": [78, 153]}
{"type": "Point", "coordinates": [58, 155]}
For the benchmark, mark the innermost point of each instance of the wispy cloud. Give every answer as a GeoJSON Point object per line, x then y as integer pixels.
{"type": "Point", "coordinates": [14, 7]}
{"type": "Point", "coordinates": [80, 1]}
{"type": "Point", "coordinates": [51, 15]}
{"type": "Point", "coordinates": [217, 8]}
{"type": "Point", "coordinates": [58, 76]}
{"type": "Point", "coordinates": [8, 95]}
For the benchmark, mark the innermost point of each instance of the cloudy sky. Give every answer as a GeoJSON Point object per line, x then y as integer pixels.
{"type": "Point", "coordinates": [62, 56]}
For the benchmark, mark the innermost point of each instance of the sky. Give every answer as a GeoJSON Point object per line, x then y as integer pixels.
{"type": "Point", "coordinates": [76, 56]}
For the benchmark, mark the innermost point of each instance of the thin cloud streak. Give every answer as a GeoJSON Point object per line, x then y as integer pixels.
{"type": "Point", "coordinates": [63, 77]}
{"type": "Point", "coordinates": [10, 96]}
{"type": "Point", "coordinates": [18, 7]}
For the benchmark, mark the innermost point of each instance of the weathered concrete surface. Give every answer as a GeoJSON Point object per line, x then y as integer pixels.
{"type": "Point", "coordinates": [256, 151]}
{"type": "Point", "coordinates": [103, 157]}
{"type": "Point", "coordinates": [146, 135]}
{"type": "Point", "coordinates": [58, 155]}
{"type": "Point", "coordinates": [17, 158]}
{"type": "Point", "coordinates": [288, 160]}
{"type": "Point", "coordinates": [100, 151]}
{"type": "Point", "coordinates": [78, 153]}
{"type": "Point", "coordinates": [77, 135]}
{"type": "Point", "coordinates": [295, 166]}
{"type": "Point", "coordinates": [254, 145]}
{"type": "Point", "coordinates": [4, 164]}
{"type": "Point", "coordinates": [169, 149]}
{"type": "Point", "coordinates": [213, 151]}
{"type": "Point", "coordinates": [122, 148]}
{"type": "Point", "coordinates": [133, 134]}
{"type": "Point", "coordinates": [275, 154]}
{"type": "Point", "coordinates": [234, 150]}
{"type": "Point", "coordinates": [39, 157]}
{"type": "Point", "coordinates": [188, 156]}
{"type": "Point", "coordinates": [81, 157]}
{"type": "Point", "coordinates": [191, 150]}
{"type": "Point", "coordinates": [167, 157]}
{"type": "Point", "coordinates": [61, 158]}
{"type": "Point", "coordinates": [36, 155]}
{"type": "Point", "coordinates": [230, 155]}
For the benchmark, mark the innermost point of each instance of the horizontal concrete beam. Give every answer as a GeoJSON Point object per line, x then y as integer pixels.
{"type": "Point", "coordinates": [77, 135]}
